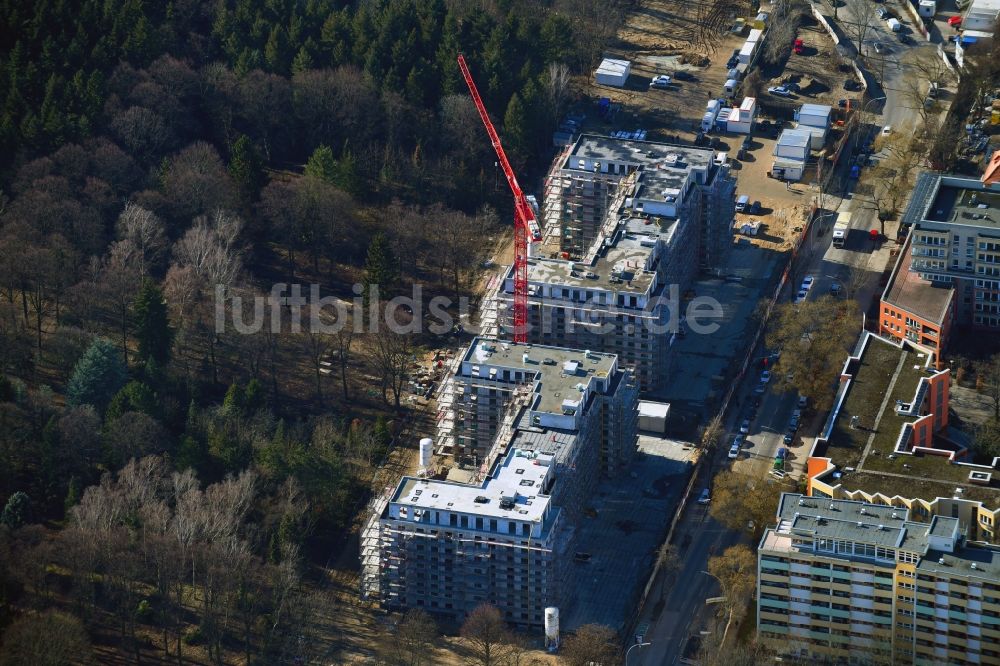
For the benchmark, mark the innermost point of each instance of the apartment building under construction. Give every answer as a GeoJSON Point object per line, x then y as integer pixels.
{"type": "Point", "coordinates": [673, 182]}
{"type": "Point", "coordinates": [635, 220]}
{"type": "Point", "coordinates": [842, 581]}
{"type": "Point", "coordinates": [534, 428]}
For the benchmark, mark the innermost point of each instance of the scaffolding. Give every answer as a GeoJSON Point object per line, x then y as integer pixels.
{"type": "Point", "coordinates": [372, 546]}
{"type": "Point", "coordinates": [519, 401]}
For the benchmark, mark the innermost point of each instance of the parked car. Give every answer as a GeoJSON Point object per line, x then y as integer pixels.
{"type": "Point", "coordinates": [765, 376]}
{"type": "Point", "coordinates": [682, 75]}
{"type": "Point", "coordinates": [742, 203]}
{"type": "Point", "coordinates": [799, 297]}
{"type": "Point", "coordinates": [807, 282]}
{"type": "Point", "coordinates": [661, 81]}
{"type": "Point", "coordinates": [734, 451]}
{"type": "Point", "coordinates": [745, 426]}
{"type": "Point", "coordinates": [779, 91]}
{"type": "Point", "coordinates": [887, 130]}
{"type": "Point", "coordinates": [755, 208]}
{"type": "Point", "coordinates": [851, 84]}
{"type": "Point", "coordinates": [782, 453]}
{"type": "Point", "coordinates": [882, 12]}
{"type": "Point", "coordinates": [835, 287]}
{"type": "Point", "coordinates": [789, 437]}
{"type": "Point", "coordinates": [705, 497]}
{"type": "Point", "coordinates": [955, 22]}
{"type": "Point", "coordinates": [842, 103]}
{"type": "Point", "coordinates": [803, 401]}
{"type": "Point", "coordinates": [791, 86]}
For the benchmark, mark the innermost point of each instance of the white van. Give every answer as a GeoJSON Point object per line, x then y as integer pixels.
{"type": "Point", "coordinates": [731, 86]}
{"type": "Point", "coordinates": [742, 203]}
{"type": "Point", "coordinates": [894, 25]}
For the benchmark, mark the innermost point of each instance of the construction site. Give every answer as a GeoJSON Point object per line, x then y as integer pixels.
{"type": "Point", "coordinates": [627, 224]}
{"type": "Point", "coordinates": [538, 419]}
{"type": "Point", "coordinates": [531, 431]}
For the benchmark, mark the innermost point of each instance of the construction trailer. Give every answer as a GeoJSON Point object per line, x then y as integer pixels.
{"type": "Point", "coordinates": [613, 72]}
{"type": "Point", "coordinates": [741, 118]}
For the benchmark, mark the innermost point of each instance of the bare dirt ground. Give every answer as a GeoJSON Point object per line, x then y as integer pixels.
{"type": "Point", "coordinates": [815, 69]}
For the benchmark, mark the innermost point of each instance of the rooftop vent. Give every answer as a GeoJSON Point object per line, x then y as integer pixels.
{"type": "Point", "coordinates": [833, 507]}
{"type": "Point", "coordinates": [941, 561]}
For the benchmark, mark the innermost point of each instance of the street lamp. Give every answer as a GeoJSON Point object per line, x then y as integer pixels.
{"type": "Point", "coordinates": [864, 108]}
{"type": "Point", "coordinates": [632, 648]}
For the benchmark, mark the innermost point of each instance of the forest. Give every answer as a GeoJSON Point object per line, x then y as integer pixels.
{"type": "Point", "coordinates": [175, 489]}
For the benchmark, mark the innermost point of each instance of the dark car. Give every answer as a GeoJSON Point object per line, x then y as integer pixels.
{"type": "Point", "coordinates": [684, 76]}
{"type": "Point", "coordinates": [851, 84]}
{"type": "Point", "coordinates": [755, 208]}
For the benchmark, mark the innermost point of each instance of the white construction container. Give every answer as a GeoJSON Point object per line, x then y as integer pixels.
{"type": "Point", "coordinates": [551, 627]}
{"type": "Point", "coordinates": [613, 72]}
{"type": "Point", "coordinates": [426, 452]}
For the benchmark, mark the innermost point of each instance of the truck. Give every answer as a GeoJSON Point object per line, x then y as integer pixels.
{"type": "Point", "coordinates": [840, 229]}
{"type": "Point", "coordinates": [711, 113]}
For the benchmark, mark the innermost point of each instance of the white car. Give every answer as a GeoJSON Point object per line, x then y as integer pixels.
{"type": "Point", "coordinates": [745, 426]}
{"type": "Point", "coordinates": [661, 81]}
{"type": "Point", "coordinates": [765, 377]}
{"type": "Point", "coordinates": [887, 130]}
{"type": "Point", "coordinates": [780, 91]}
{"type": "Point", "coordinates": [734, 452]}
{"type": "Point", "coordinates": [705, 497]}
{"type": "Point", "coordinates": [807, 282]}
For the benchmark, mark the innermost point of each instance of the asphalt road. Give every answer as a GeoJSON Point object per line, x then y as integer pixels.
{"type": "Point", "coordinates": [680, 613]}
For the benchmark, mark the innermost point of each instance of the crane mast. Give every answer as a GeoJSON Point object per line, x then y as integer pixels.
{"type": "Point", "coordinates": [526, 228]}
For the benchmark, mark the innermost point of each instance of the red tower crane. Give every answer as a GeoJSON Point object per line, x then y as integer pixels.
{"type": "Point", "coordinates": [526, 227]}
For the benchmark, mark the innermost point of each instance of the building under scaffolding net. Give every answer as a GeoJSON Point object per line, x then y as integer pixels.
{"type": "Point", "coordinates": [534, 427]}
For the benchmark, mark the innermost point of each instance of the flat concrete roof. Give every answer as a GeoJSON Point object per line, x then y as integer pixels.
{"type": "Point", "coordinates": [928, 300]}
{"type": "Point", "coordinates": [558, 371]}
{"type": "Point", "coordinates": [962, 201]}
{"type": "Point", "coordinates": [519, 478]}
{"type": "Point", "coordinates": [861, 522]}
{"type": "Point", "coordinates": [959, 563]}
{"type": "Point", "coordinates": [639, 153]}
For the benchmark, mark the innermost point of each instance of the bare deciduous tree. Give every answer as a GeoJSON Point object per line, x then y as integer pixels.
{"type": "Point", "coordinates": [486, 635]}
{"type": "Point", "coordinates": [390, 353]}
{"type": "Point", "coordinates": [118, 278]}
{"type": "Point", "coordinates": [145, 231]}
